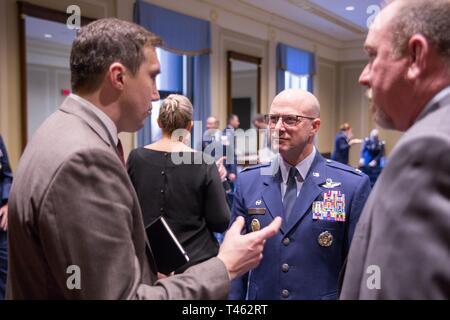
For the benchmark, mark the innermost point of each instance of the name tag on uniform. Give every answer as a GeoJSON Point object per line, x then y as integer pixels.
{"type": "Point", "coordinates": [331, 208]}
{"type": "Point", "coordinates": [256, 211]}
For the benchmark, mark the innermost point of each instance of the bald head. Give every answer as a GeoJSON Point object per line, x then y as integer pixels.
{"type": "Point", "coordinates": [212, 123]}
{"type": "Point", "coordinates": [301, 102]}
{"type": "Point", "coordinates": [294, 139]}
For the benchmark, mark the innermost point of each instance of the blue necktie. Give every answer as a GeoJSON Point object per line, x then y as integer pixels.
{"type": "Point", "coordinates": [291, 193]}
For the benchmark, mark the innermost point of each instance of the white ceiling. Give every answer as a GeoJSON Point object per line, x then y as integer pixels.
{"type": "Point", "coordinates": [326, 16]}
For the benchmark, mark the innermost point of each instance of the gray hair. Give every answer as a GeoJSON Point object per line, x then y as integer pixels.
{"type": "Point", "coordinates": [428, 18]}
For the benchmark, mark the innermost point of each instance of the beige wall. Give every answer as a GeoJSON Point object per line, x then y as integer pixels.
{"type": "Point", "coordinates": [234, 26]}
{"type": "Point", "coordinates": [325, 88]}
{"type": "Point", "coordinates": [353, 108]}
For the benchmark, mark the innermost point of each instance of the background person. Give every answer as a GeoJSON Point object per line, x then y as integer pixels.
{"type": "Point", "coordinates": [342, 143]}
{"type": "Point", "coordinates": [188, 195]}
{"type": "Point", "coordinates": [372, 159]}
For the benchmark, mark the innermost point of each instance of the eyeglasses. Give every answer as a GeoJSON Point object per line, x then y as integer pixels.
{"type": "Point", "coordinates": [289, 120]}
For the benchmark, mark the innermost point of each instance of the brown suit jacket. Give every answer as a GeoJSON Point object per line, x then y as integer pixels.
{"type": "Point", "coordinates": [72, 203]}
{"type": "Point", "coordinates": [403, 234]}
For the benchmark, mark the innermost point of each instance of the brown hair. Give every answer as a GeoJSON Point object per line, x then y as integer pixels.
{"type": "Point", "coordinates": [103, 42]}
{"type": "Point", "coordinates": [345, 127]}
{"type": "Point", "coordinates": [175, 113]}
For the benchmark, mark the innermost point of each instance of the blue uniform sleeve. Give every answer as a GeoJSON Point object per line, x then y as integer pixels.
{"type": "Point", "coordinates": [6, 176]}
{"type": "Point", "coordinates": [238, 286]}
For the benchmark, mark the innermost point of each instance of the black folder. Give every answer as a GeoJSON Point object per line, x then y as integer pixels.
{"type": "Point", "coordinates": [168, 253]}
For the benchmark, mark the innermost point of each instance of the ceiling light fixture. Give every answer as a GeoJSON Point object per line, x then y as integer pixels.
{"type": "Point", "coordinates": [48, 35]}
{"type": "Point", "coordinates": [350, 8]}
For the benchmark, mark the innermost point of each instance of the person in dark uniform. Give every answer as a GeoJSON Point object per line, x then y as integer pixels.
{"type": "Point", "coordinates": [5, 186]}
{"type": "Point", "coordinates": [372, 156]}
{"type": "Point", "coordinates": [320, 201]}
{"type": "Point", "coordinates": [342, 143]}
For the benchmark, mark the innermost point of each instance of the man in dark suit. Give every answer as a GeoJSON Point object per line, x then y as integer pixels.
{"type": "Point", "coordinates": [401, 246]}
{"type": "Point", "coordinates": [5, 185]}
{"type": "Point", "coordinates": [230, 148]}
{"type": "Point", "coordinates": [320, 202]}
{"type": "Point", "coordinates": [76, 229]}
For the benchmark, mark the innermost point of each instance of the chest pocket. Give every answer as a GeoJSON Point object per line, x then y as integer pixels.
{"type": "Point", "coordinates": [256, 218]}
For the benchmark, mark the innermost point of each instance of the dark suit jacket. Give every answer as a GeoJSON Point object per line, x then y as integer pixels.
{"type": "Point", "coordinates": [72, 204]}
{"type": "Point", "coordinates": [403, 236]}
{"type": "Point", "coordinates": [5, 174]}
{"type": "Point", "coordinates": [295, 265]}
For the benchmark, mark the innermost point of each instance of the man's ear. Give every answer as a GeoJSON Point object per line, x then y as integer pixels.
{"type": "Point", "coordinates": [419, 52]}
{"type": "Point", "coordinates": [315, 125]}
{"type": "Point", "coordinates": [116, 73]}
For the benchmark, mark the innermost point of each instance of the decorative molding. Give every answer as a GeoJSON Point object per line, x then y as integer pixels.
{"type": "Point", "coordinates": [213, 15]}
{"type": "Point", "coordinates": [272, 34]}
{"type": "Point", "coordinates": [327, 15]}
{"type": "Point", "coordinates": [256, 14]}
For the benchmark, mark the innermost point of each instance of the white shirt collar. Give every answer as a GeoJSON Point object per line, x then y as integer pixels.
{"type": "Point", "coordinates": [302, 167]}
{"type": "Point", "coordinates": [109, 124]}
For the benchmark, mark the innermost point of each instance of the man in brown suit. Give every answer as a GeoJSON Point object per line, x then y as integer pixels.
{"type": "Point", "coordinates": [76, 229]}
{"type": "Point", "coordinates": [401, 246]}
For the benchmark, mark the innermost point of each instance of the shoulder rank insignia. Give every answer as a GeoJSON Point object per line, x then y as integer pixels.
{"type": "Point", "coordinates": [329, 184]}
{"type": "Point", "coordinates": [331, 208]}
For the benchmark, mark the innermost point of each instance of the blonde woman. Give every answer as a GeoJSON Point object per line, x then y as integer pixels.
{"type": "Point", "coordinates": [175, 181]}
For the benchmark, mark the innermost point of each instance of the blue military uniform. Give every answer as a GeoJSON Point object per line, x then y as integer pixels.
{"type": "Point", "coordinates": [304, 259]}
{"type": "Point", "coordinates": [372, 150]}
{"type": "Point", "coordinates": [341, 148]}
{"type": "Point", "coordinates": [5, 186]}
